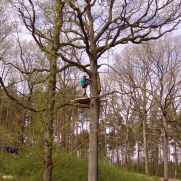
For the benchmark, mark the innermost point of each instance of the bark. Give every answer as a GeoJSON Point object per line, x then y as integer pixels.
{"type": "Point", "coordinates": [138, 158]}
{"type": "Point", "coordinates": [21, 123]}
{"type": "Point", "coordinates": [156, 160]}
{"type": "Point", "coordinates": [145, 147]}
{"type": "Point", "coordinates": [176, 159]}
{"type": "Point", "coordinates": [94, 118]}
{"type": "Point", "coordinates": [165, 147]}
{"type": "Point", "coordinates": [93, 139]}
{"type": "Point", "coordinates": [126, 147]}
{"type": "Point", "coordinates": [144, 121]}
{"type": "Point", "coordinates": [48, 130]}
{"type": "Point", "coordinates": [58, 131]}
{"type": "Point", "coordinates": [50, 111]}
{"type": "Point", "coordinates": [117, 153]}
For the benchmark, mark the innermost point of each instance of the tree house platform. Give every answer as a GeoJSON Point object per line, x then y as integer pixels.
{"type": "Point", "coordinates": [86, 100]}
{"type": "Point", "coordinates": [83, 100]}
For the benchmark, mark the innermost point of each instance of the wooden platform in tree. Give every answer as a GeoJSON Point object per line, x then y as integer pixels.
{"type": "Point", "coordinates": [86, 100]}
{"type": "Point", "coordinates": [83, 100]}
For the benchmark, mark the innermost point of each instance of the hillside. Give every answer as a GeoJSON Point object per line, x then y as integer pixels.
{"type": "Point", "coordinates": [29, 167]}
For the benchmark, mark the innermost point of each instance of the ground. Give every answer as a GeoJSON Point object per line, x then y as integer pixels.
{"type": "Point", "coordinates": [170, 179]}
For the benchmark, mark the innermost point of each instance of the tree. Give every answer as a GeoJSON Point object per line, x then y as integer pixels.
{"type": "Point", "coordinates": [167, 83]}
{"type": "Point", "coordinates": [87, 30]}
{"type": "Point", "coordinates": [134, 80]}
{"type": "Point", "coordinates": [104, 24]}
{"type": "Point", "coordinates": [6, 28]}
{"type": "Point", "coordinates": [5, 43]}
{"type": "Point", "coordinates": [41, 74]}
{"type": "Point", "coordinates": [146, 70]}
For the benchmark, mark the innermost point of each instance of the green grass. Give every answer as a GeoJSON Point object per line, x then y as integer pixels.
{"type": "Point", "coordinates": [114, 173]}
{"type": "Point", "coordinates": [66, 168]}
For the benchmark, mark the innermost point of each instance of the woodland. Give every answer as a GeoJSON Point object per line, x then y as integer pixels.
{"type": "Point", "coordinates": [131, 51]}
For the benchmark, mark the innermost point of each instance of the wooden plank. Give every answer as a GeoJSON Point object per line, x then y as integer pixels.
{"type": "Point", "coordinates": [86, 100]}
{"type": "Point", "coordinates": [83, 100]}
{"type": "Point", "coordinates": [103, 100]}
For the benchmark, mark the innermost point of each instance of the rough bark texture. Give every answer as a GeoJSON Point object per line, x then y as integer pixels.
{"type": "Point", "coordinates": [48, 139]}
{"type": "Point", "coordinates": [94, 118]}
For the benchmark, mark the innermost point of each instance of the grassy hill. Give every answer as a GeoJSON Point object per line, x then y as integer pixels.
{"type": "Point", "coordinates": [25, 167]}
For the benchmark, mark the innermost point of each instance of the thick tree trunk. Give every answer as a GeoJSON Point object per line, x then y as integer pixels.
{"type": "Point", "coordinates": [93, 145]}
{"type": "Point", "coordinates": [47, 174]}
{"type": "Point", "coordinates": [48, 130]}
{"type": "Point", "coordinates": [50, 112]}
{"type": "Point", "coordinates": [94, 119]}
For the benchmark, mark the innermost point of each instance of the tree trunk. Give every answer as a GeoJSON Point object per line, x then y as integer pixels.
{"type": "Point", "coordinates": [138, 157]}
{"type": "Point", "coordinates": [48, 130]}
{"type": "Point", "coordinates": [145, 147]}
{"type": "Point", "coordinates": [93, 139]}
{"type": "Point", "coordinates": [126, 148]}
{"type": "Point", "coordinates": [50, 112]}
{"type": "Point", "coordinates": [165, 147]}
{"type": "Point", "coordinates": [144, 119]}
{"type": "Point", "coordinates": [21, 123]}
{"type": "Point", "coordinates": [58, 131]}
{"type": "Point", "coordinates": [94, 119]}
{"type": "Point", "coordinates": [47, 174]}
{"type": "Point", "coordinates": [176, 159]}
{"type": "Point", "coordinates": [156, 159]}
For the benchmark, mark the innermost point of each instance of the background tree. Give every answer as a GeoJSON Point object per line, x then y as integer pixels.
{"type": "Point", "coordinates": [166, 71]}
{"type": "Point", "coordinates": [5, 44]}
{"type": "Point", "coordinates": [149, 72]}
{"type": "Point", "coordinates": [48, 40]}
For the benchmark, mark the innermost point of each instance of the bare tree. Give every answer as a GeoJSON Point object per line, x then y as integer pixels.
{"type": "Point", "coordinates": [6, 28]}
{"type": "Point", "coordinates": [167, 84]}
{"type": "Point", "coordinates": [152, 72]}
{"type": "Point", "coordinates": [104, 24]}
{"type": "Point", "coordinates": [87, 29]}
{"type": "Point", "coordinates": [134, 81]}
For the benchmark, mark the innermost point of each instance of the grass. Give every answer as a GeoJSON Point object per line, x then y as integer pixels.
{"type": "Point", "coordinates": [66, 168]}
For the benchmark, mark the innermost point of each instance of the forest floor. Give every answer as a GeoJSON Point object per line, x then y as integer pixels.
{"type": "Point", "coordinates": [170, 179]}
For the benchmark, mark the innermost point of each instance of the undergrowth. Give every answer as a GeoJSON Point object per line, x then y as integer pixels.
{"type": "Point", "coordinates": [28, 167]}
